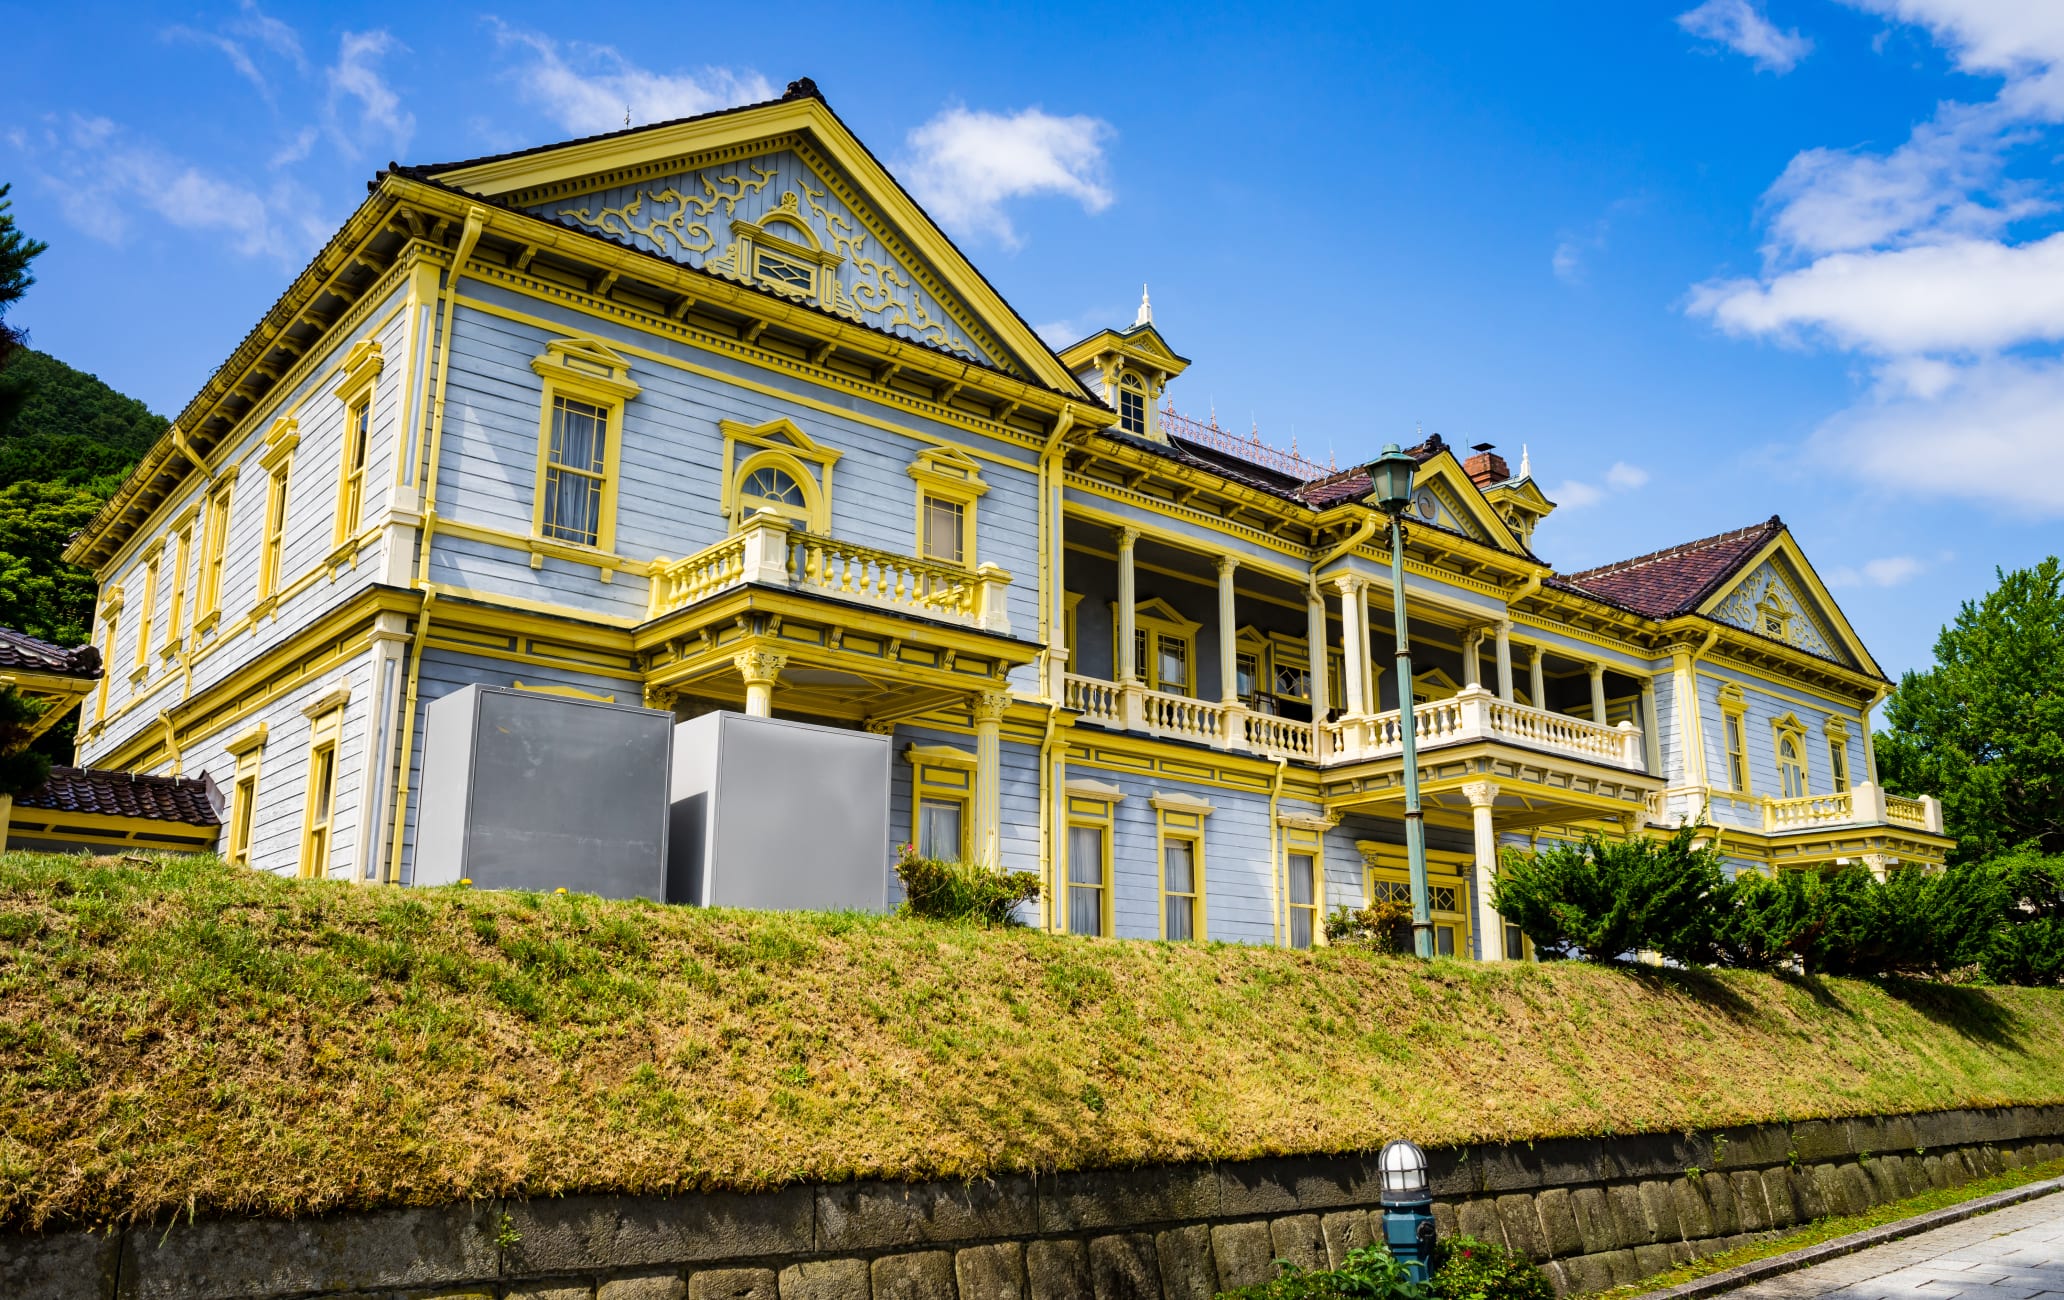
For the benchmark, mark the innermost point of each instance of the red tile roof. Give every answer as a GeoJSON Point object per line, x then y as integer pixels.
{"type": "Point", "coordinates": [188, 800]}
{"type": "Point", "coordinates": [20, 651]}
{"type": "Point", "coordinates": [1678, 580]}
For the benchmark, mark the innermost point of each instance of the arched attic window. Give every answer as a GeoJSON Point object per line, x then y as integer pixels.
{"type": "Point", "coordinates": [1132, 405]}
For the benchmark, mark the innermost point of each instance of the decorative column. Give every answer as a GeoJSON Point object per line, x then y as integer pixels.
{"type": "Point", "coordinates": [1354, 646]}
{"type": "Point", "coordinates": [760, 669]}
{"type": "Point", "coordinates": [1651, 735]}
{"type": "Point", "coordinates": [987, 708]}
{"type": "Point", "coordinates": [1472, 657]}
{"type": "Point", "coordinates": [1504, 633]}
{"type": "Point", "coordinates": [1490, 927]}
{"type": "Point", "coordinates": [1228, 672]}
{"type": "Point", "coordinates": [1537, 683]}
{"type": "Point", "coordinates": [1598, 693]}
{"type": "Point", "coordinates": [1315, 659]}
{"type": "Point", "coordinates": [1128, 670]}
{"type": "Point", "coordinates": [1370, 700]}
{"type": "Point", "coordinates": [1870, 751]}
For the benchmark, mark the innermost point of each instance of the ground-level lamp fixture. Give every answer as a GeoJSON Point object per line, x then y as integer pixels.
{"type": "Point", "coordinates": [1390, 490]}
{"type": "Point", "coordinates": [1407, 1206]}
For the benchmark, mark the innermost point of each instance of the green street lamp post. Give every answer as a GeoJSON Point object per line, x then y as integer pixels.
{"type": "Point", "coordinates": [1390, 481]}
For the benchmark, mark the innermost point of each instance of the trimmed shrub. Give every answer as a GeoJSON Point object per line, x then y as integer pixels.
{"type": "Point", "coordinates": [1607, 900]}
{"type": "Point", "coordinates": [1370, 1273]}
{"type": "Point", "coordinates": [1469, 1268]}
{"type": "Point", "coordinates": [2028, 948]}
{"type": "Point", "coordinates": [939, 890]}
{"type": "Point", "coordinates": [1771, 922]}
{"type": "Point", "coordinates": [1384, 925]}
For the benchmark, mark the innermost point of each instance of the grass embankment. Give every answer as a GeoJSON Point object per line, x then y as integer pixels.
{"type": "Point", "coordinates": [180, 1036]}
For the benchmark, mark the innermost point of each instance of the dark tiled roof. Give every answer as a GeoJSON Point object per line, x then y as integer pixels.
{"type": "Point", "coordinates": [1675, 581]}
{"type": "Point", "coordinates": [1353, 484]}
{"type": "Point", "coordinates": [25, 653]}
{"type": "Point", "coordinates": [187, 800]}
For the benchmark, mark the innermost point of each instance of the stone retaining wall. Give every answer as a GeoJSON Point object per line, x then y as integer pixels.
{"type": "Point", "coordinates": [1596, 1211]}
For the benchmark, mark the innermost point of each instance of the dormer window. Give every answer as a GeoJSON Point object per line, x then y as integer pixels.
{"type": "Point", "coordinates": [1132, 406]}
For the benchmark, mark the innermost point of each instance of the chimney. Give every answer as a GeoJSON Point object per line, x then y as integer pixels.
{"type": "Point", "coordinates": [1486, 466]}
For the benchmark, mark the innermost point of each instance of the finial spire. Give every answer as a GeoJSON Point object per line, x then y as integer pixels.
{"type": "Point", "coordinates": [1526, 467]}
{"type": "Point", "coordinates": [1146, 309]}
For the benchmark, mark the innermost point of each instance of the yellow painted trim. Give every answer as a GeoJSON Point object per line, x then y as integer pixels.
{"type": "Point", "coordinates": [1299, 842]}
{"type": "Point", "coordinates": [1784, 544]}
{"type": "Point", "coordinates": [777, 444]}
{"type": "Point", "coordinates": [1090, 806]}
{"type": "Point", "coordinates": [319, 805]}
{"type": "Point", "coordinates": [1172, 825]}
{"type": "Point", "coordinates": [941, 755]}
{"type": "Point", "coordinates": [585, 371]}
{"type": "Point", "coordinates": [565, 692]}
{"type": "Point", "coordinates": [953, 476]}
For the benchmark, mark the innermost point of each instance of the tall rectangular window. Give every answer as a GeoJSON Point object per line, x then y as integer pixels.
{"type": "Point", "coordinates": [319, 814]}
{"type": "Point", "coordinates": [144, 610]}
{"type": "Point", "coordinates": [1179, 889]}
{"type": "Point", "coordinates": [940, 824]}
{"type": "Point", "coordinates": [945, 530]}
{"type": "Point", "coordinates": [1171, 663]}
{"type": "Point", "coordinates": [1304, 905]}
{"type": "Point", "coordinates": [1086, 879]}
{"type": "Point", "coordinates": [1838, 763]}
{"type": "Point", "coordinates": [110, 619]}
{"type": "Point", "coordinates": [358, 426]}
{"type": "Point", "coordinates": [275, 543]}
{"type": "Point", "coordinates": [214, 541]}
{"type": "Point", "coordinates": [175, 617]}
{"type": "Point", "coordinates": [242, 819]}
{"type": "Point", "coordinates": [1737, 754]}
{"type": "Point", "coordinates": [576, 461]}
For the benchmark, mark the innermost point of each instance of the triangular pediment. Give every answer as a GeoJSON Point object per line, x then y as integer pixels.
{"type": "Point", "coordinates": [780, 197]}
{"type": "Point", "coordinates": [1444, 496]}
{"type": "Point", "coordinates": [1777, 596]}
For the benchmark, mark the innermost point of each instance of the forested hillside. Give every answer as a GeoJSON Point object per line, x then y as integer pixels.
{"type": "Point", "coordinates": [60, 425]}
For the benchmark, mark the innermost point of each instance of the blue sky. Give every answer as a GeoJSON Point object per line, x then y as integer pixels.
{"type": "Point", "coordinates": [1708, 262]}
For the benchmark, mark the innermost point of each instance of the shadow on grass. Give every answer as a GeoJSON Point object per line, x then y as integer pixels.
{"type": "Point", "coordinates": [1970, 1012]}
{"type": "Point", "coordinates": [1695, 982]}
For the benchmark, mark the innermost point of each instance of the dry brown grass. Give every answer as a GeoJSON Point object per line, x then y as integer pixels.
{"type": "Point", "coordinates": [181, 1036]}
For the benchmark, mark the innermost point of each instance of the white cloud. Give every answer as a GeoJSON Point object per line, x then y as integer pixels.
{"type": "Point", "coordinates": [1623, 477]}
{"type": "Point", "coordinates": [589, 89]}
{"type": "Point", "coordinates": [110, 185]}
{"type": "Point", "coordinates": [1739, 26]}
{"type": "Point", "coordinates": [1884, 571]}
{"type": "Point", "coordinates": [1573, 494]}
{"type": "Point", "coordinates": [238, 37]}
{"type": "Point", "coordinates": [965, 165]}
{"type": "Point", "coordinates": [355, 78]}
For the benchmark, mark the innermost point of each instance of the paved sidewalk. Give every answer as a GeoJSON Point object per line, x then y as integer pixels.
{"type": "Point", "coordinates": [2011, 1254]}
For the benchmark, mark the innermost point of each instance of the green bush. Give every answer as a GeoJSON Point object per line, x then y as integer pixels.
{"type": "Point", "coordinates": [1469, 1268]}
{"type": "Point", "coordinates": [939, 890]}
{"type": "Point", "coordinates": [1608, 899]}
{"type": "Point", "coordinates": [1770, 922]}
{"type": "Point", "coordinates": [2028, 947]}
{"type": "Point", "coordinates": [1370, 1273]}
{"type": "Point", "coordinates": [1384, 925]}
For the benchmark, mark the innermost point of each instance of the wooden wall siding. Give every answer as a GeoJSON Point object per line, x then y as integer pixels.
{"type": "Point", "coordinates": [311, 521]}
{"type": "Point", "coordinates": [789, 174]}
{"type": "Point", "coordinates": [445, 671]}
{"type": "Point", "coordinates": [669, 499]}
{"type": "Point", "coordinates": [1763, 703]}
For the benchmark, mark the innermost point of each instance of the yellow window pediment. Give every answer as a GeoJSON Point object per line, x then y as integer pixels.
{"type": "Point", "coordinates": [776, 466]}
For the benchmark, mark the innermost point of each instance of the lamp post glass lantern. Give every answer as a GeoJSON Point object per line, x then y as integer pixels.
{"type": "Point", "coordinates": [1390, 490]}
{"type": "Point", "coordinates": [1407, 1207]}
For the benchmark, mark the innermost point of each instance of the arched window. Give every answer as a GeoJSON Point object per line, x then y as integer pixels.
{"type": "Point", "coordinates": [1132, 405]}
{"type": "Point", "coordinates": [768, 488]}
{"type": "Point", "coordinates": [1791, 767]}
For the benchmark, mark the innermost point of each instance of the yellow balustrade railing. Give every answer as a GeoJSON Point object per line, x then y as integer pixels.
{"type": "Point", "coordinates": [1903, 811]}
{"type": "Point", "coordinates": [677, 584]}
{"type": "Point", "coordinates": [1808, 810]}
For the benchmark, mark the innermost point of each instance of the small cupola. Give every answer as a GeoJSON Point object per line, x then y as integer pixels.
{"type": "Point", "coordinates": [1128, 369]}
{"type": "Point", "coordinates": [1518, 500]}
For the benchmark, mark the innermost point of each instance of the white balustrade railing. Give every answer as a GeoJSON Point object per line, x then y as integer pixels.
{"type": "Point", "coordinates": [1182, 718]}
{"type": "Point", "coordinates": [1096, 701]}
{"type": "Point", "coordinates": [1476, 714]}
{"type": "Point", "coordinates": [1268, 734]}
{"type": "Point", "coordinates": [1557, 731]}
{"type": "Point", "coordinates": [768, 552]}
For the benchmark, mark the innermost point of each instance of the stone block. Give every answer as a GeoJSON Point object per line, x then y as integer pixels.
{"type": "Point", "coordinates": [387, 1249]}
{"type": "Point", "coordinates": [1630, 1221]}
{"type": "Point", "coordinates": [1588, 1273]}
{"type": "Point", "coordinates": [1778, 1199]}
{"type": "Point", "coordinates": [991, 1272]}
{"type": "Point", "coordinates": [1444, 1221]}
{"type": "Point", "coordinates": [1243, 1253]}
{"type": "Point", "coordinates": [1694, 1216]}
{"type": "Point", "coordinates": [825, 1279]}
{"type": "Point", "coordinates": [1931, 1168]}
{"type": "Point", "coordinates": [563, 1290]}
{"type": "Point", "coordinates": [1594, 1220]}
{"type": "Point", "coordinates": [1752, 1212]}
{"type": "Point", "coordinates": [1680, 1253]}
{"type": "Point", "coordinates": [1559, 1230]}
{"type": "Point", "coordinates": [1297, 1238]}
{"type": "Point", "coordinates": [1882, 1173]}
{"type": "Point", "coordinates": [596, 1233]}
{"type": "Point", "coordinates": [1857, 1194]}
{"type": "Point", "coordinates": [1820, 1139]}
{"type": "Point", "coordinates": [1622, 1265]}
{"type": "Point", "coordinates": [1942, 1128]}
{"type": "Point", "coordinates": [1281, 1185]}
{"type": "Point", "coordinates": [734, 1284]}
{"type": "Point", "coordinates": [1659, 1206]}
{"type": "Point", "coordinates": [1651, 1155]}
{"type": "Point", "coordinates": [871, 1216]}
{"type": "Point", "coordinates": [1057, 1270]}
{"type": "Point", "coordinates": [643, 1286]}
{"type": "Point", "coordinates": [1718, 1191]}
{"type": "Point", "coordinates": [1751, 1146]}
{"type": "Point", "coordinates": [1522, 1225]}
{"type": "Point", "coordinates": [1897, 1133]}
{"type": "Point", "coordinates": [1480, 1219]}
{"type": "Point", "coordinates": [1651, 1260]}
{"type": "Point", "coordinates": [1526, 1167]}
{"type": "Point", "coordinates": [1121, 1267]}
{"type": "Point", "coordinates": [1347, 1231]}
{"type": "Point", "coordinates": [1556, 1277]}
{"type": "Point", "coordinates": [1117, 1198]}
{"type": "Point", "coordinates": [1451, 1172]}
{"type": "Point", "coordinates": [1184, 1255]}
{"type": "Point", "coordinates": [60, 1265]}
{"type": "Point", "coordinates": [1807, 1197]}
{"type": "Point", "coordinates": [920, 1275]}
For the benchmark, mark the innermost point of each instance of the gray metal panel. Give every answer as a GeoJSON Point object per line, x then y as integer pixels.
{"type": "Point", "coordinates": [795, 815]}
{"type": "Point", "coordinates": [694, 781]}
{"type": "Point", "coordinates": [547, 791]}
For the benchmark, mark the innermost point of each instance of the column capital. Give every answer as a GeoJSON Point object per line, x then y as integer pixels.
{"type": "Point", "coordinates": [989, 706]}
{"type": "Point", "coordinates": [1595, 668]}
{"type": "Point", "coordinates": [760, 667]}
{"type": "Point", "coordinates": [1481, 794]}
{"type": "Point", "coordinates": [1227, 563]}
{"type": "Point", "coordinates": [1347, 584]}
{"type": "Point", "coordinates": [1125, 537]}
{"type": "Point", "coordinates": [1503, 627]}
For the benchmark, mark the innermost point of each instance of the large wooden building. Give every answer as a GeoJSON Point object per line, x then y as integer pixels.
{"type": "Point", "coordinates": [710, 414]}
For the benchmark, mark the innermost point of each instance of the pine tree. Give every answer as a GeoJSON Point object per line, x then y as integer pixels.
{"type": "Point", "coordinates": [17, 250]}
